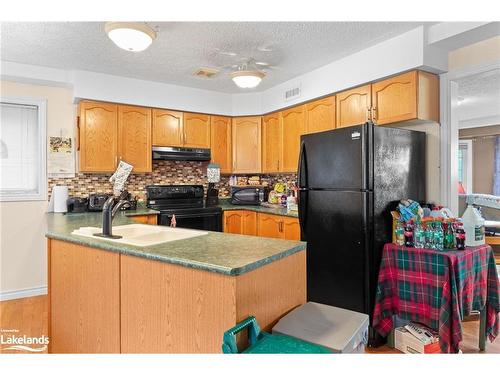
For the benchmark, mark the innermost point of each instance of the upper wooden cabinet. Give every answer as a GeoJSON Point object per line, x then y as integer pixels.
{"type": "Point", "coordinates": [220, 142]}
{"type": "Point", "coordinates": [320, 115]}
{"type": "Point", "coordinates": [409, 96]}
{"type": "Point", "coordinates": [134, 137]}
{"type": "Point", "coordinates": [246, 134]}
{"type": "Point", "coordinates": [196, 130]}
{"type": "Point", "coordinates": [240, 222]}
{"type": "Point", "coordinates": [293, 126]}
{"type": "Point", "coordinates": [353, 106]}
{"type": "Point", "coordinates": [167, 127]}
{"type": "Point", "coordinates": [271, 143]}
{"type": "Point", "coordinates": [98, 138]}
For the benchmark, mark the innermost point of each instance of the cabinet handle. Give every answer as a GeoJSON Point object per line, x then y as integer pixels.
{"type": "Point", "coordinates": [374, 113]}
{"type": "Point", "coordinates": [278, 165]}
{"type": "Point", "coordinates": [368, 114]}
{"type": "Point", "coordinates": [78, 131]}
{"type": "Point", "coordinates": [280, 227]}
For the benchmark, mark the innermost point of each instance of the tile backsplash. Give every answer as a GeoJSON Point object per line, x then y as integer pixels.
{"type": "Point", "coordinates": [165, 172]}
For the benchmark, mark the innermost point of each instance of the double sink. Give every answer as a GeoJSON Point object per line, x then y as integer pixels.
{"type": "Point", "coordinates": [141, 234]}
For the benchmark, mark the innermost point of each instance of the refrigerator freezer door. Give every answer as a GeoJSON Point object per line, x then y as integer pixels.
{"type": "Point", "coordinates": [338, 239]}
{"type": "Point", "coordinates": [335, 159]}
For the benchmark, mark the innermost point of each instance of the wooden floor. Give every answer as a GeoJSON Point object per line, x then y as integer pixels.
{"type": "Point", "coordinates": [29, 316]}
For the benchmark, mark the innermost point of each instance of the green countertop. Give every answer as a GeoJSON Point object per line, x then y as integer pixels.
{"type": "Point", "coordinates": [225, 204]}
{"type": "Point", "coordinates": [225, 253]}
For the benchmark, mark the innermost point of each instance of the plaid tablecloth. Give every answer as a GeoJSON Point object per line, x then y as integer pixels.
{"type": "Point", "coordinates": [437, 288]}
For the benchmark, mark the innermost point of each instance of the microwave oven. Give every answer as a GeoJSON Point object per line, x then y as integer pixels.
{"type": "Point", "coordinates": [249, 195]}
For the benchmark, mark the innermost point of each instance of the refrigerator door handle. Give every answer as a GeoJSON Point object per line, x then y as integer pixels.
{"type": "Point", "coordinates": [302, 167]}
{"type": "Point", "coordinates": [302, 203]}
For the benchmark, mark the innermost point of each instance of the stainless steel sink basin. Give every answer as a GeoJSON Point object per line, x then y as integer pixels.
{"type": "Point", "coordinates": [141, 234]}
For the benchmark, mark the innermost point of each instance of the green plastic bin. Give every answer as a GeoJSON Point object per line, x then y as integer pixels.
{"type": "Point", "coordinates": [265, 343]}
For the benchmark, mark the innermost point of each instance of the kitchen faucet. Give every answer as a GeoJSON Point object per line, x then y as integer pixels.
{"type": "Point", "coordinates": [109, 209]}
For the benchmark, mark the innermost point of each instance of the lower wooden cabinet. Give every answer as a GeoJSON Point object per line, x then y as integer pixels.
{"type": "Point", "coordinates": [84, 293]}
{"type": "Point", "coordinates": [240, 222]}
{"type": "Point", "coordinates": [282, 227]}
{"type": "Point", "coordinates": [145, 219]}
{"type": "Point", "coordinates": [260, 224]}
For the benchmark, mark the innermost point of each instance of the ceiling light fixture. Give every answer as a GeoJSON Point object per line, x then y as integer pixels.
{"type": "Point", "coordinates": [247, 79]}
{"type": "Point", "coordinates": [130, 36]}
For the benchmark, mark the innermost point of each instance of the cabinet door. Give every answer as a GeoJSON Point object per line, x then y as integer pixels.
{"type": "Point", "coordinates": [270, 226]}
{"type": "Point", "coordinates": [134, 137]}
{"type": "Point", "coordinates": [167, 128]}
{"type": "Point", "coordinates": [395, 99]}
{"type": "Point", "coordinates": [196, 130]}
{"type": "Point", "coordinates": [246, 144]}
{"type": "Point", "coordinates": [291, 228]}
{"type": "Point", "coordinates": [353, 106]}
{"type": "Point", "coordinates": [293, 126]}
{"type": "Point", "coordinates": [84, 292]}
{"type": "Point", "coordinates": [271, 143]}
{"type": "Point", "coordinates": [233, 222]}
{"type": "Point", "coordinates": [320, 115]}
{"type": "Point", "coordinates": [249, 223]}
{"type": "Point", "coordinates": [220, 142]}
{"type": "Point", "coordinates": [98, 137]}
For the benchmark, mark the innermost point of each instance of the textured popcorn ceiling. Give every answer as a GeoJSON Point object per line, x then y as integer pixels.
{"type": "Point", "coordinates": [182, 47]}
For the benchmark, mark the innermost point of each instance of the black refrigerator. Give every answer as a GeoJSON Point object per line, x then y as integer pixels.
{"type": "Point", "coordinates": [349, 180]}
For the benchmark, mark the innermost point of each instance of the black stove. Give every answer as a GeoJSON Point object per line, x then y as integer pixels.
{"type": "Point", "coordinates": [186, 202]}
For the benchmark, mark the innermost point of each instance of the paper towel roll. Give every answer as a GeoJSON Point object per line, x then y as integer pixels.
{"type": "Point", "coordinates": [58, 199]}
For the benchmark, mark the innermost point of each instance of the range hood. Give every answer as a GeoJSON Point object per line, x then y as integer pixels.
{"type": "Point", "coordinates": [181, 153]}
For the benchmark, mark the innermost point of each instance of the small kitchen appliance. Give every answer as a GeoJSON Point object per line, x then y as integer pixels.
{"type": "Point", "coordinates": [97, 200]}
{"type": "Point", "coordinates": [249, 195]}
{"type": "Point", "coordinates": [77, 204]}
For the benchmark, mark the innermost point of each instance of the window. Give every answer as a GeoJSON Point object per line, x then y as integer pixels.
{"type": "Point", "coordinates": [465, 166]}
{"type": "Point", "coordinates": [22, 149]}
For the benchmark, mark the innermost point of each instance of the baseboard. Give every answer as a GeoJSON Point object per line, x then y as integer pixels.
{"type": "Point", "coordinates": [23, 293]}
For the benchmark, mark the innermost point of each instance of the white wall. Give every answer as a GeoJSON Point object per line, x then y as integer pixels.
{"type": "Point", "coordinates": [23, 266]}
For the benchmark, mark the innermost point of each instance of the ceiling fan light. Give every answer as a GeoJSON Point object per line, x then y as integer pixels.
{"type": "Point", "coordinates": [247, 79]}
{"type": "Point", "coordinates": [130, 36]}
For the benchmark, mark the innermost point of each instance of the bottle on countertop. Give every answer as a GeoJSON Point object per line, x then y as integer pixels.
{"type": "Point", "coordinates": [460, 236]}
{"type": "Point", "coordinates": [473, 226]}
{"type": "Point", "coordinates": [449, 236]}
{"type": "Point", "coordinates": [438, 236]}
{"type": "Point", "coordinates": [400, 234]}
{"type": "Point", "coordinates": [408, 233]}
{"type": "Point", "coordinates": [419, 235]}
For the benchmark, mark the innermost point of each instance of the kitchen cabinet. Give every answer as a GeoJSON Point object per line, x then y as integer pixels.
{"type": "Point", "coordinates": [353, 106]}
{"type": "Point", "coordinates": [145, 219]}
{"type": "Point", "coordinates": [240, 222]}
{"type": "Point", "coordinates": [167, 128]}
{"type": "Point", "coordinates": [409, 96]}
{"type": "Point", "coordinates": [97, 136]}
{"type": "Point", "coordinates": [293, 126]}
{"type": "Point", "coordinates": [320, 115]}
{"type": "Point", "coordinates": [269, 226]}
{"type": "Point", "coordinates": [134, 137]}
{"type": "Point", "coordinates": [84, 297]}
{"type": "Point", "coordinates": [291, 228]}
{"type": "Point", "coordinates": [246, 134]}
{"type": "Point", "coordinates": [274, 226]}
{"type": "Point", "coordinates": [196, 130]}
{"type": "Point", "coordinates": [271, 143]}
{"type": "Point", "coordinates": [220, 142]}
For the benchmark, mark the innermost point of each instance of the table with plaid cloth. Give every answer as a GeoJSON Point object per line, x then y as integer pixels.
{"type": "Point", "coordinates": [438, 289]}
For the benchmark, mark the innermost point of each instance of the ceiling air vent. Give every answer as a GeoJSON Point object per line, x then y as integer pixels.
{"type": "Point", "coordinates": [292, 93]}
{"type": "Point", "coordinates": [206, 72]}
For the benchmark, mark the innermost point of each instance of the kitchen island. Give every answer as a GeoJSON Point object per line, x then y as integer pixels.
{"type": "Point", "coordinates": [174, 297]}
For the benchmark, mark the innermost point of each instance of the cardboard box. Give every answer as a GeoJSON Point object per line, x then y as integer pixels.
{"type": "Point", "coordinates": [405, 342]}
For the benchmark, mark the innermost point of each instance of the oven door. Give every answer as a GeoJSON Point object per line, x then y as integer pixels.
{"type": "Point", "coordinates": [211, 221]}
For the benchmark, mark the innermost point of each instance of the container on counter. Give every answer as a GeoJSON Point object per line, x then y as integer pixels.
{"type": "Point", "coordinates": [460, 236]}
{"type": "Point", "coordinates": [473, 224]}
